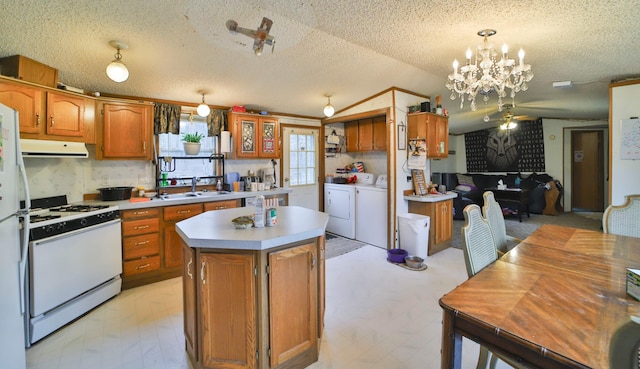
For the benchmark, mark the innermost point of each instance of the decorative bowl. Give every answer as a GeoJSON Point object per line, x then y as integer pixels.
{"type": "Point", "coordinates": [396, 255]}
{"type": "Point", "coordinates": [413, 261]}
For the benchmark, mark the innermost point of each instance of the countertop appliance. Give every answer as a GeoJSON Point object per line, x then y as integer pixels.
{"type": "Point", "coordinates": [13, 246]}
{"type": "Point", "coordinates": [74, 264]}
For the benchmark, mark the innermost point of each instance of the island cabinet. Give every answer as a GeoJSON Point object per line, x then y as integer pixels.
{"type": "Point", "coordinates": [126, 131]}
{"type": "Point", "coordinates": [253, 298]}
{"type": "Point", "coordinates": [254, 136]}
{"type": "Point", "coordinates": [432, 127]}
{"type": "Point", "coordinates": [49, 114]}
{"type": "Point", "coordinates": [441, 222]}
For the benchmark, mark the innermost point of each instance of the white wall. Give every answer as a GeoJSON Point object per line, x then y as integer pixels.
{"type": "Point", "coordinates": [625, 174]}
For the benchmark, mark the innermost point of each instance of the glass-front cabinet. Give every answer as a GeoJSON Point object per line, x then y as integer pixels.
{"type": "Point", "coordinates": [254, 136]}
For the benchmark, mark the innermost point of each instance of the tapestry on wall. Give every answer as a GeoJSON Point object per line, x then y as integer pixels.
{"type": "Point", "coordinates": [517, 150]}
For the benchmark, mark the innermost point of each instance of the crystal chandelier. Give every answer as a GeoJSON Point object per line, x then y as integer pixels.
{"type": "Point", "coordinates": [489, 72]}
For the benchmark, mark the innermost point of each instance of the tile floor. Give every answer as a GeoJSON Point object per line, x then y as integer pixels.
{"type": "Point", "coordinates": [379, 316]}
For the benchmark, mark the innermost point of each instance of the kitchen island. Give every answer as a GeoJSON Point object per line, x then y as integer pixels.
{"type": "Point", "coordinates": [253, 298]}
{"type": "Point", "coordinates": [439, 208]}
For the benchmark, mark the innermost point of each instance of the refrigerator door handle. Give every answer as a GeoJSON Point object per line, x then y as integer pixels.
{"type": "Point", "coordinates": [22, 266]}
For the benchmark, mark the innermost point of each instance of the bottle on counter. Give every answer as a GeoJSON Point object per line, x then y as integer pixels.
{"type": "Point", "coordinates": [219, 185]}
{"type": "Point", "coordinates": [258, 220]}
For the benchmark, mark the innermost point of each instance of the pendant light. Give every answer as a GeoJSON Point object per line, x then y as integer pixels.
{"type": "Point", "coordinates": [328, 109]}
{"type": "Point", "coordinates": [116, 70]}
{"type": "Point", "coordinates": [203, 109]}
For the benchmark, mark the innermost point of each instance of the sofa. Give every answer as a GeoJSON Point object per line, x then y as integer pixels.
{"type": "Point", "coordinates": [471, 186]}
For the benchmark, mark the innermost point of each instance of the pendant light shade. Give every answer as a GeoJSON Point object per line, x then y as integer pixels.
{"type": "Point", "coordinates": [328, 109]}
{"type": "Point", "coordinates": [116, 70]}
{"type": "Point", "coordinates": [203, 109]}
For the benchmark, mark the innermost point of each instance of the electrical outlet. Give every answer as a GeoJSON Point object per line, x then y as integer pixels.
{"type": "Point", "coordinates": [105, 180]}
{"type": "Point", "coordinates": [408, 178]}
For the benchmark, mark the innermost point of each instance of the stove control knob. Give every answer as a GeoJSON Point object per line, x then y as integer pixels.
{"type": "Point", "coordinates": [83, 221]}
{"type": "Point", "coordinates": [61, 225]}
{"type": "Point", "coordinates": [49, 229]}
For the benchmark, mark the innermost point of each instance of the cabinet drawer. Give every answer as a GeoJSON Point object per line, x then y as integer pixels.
{"type": "Point", "coordinates": [142, 226]}
{"type": "Point", "coordinates": [217, 205]}
{"type": "Point", "coordinates": [143, 265]}
{"type": "Point", "coordinates": [140, 213]}
{"type": "Point", "coordinates": [139, 246]}
{"type": "Point", "coordinates": [182, 211]}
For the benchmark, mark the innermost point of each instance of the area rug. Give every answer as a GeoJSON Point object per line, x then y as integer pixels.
{"type": "Point", "coordinates": [529, 225]}
{"type": "Point", "coordinates": [337, 245]}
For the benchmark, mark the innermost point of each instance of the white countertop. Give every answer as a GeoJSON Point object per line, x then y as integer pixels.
{"type": "Point", "coordinates": [206, 197]}
{"type": "Point", "coordinates": [214, 229]}
{"type": "Point", "coordinates": [432, 197]}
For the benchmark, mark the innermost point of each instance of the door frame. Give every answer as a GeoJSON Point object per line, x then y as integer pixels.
{"type": "Point", "coordinates": [319, 156]}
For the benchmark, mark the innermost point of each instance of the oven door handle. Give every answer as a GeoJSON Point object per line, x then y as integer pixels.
{"type": "Point", "coordinates": [73, 233]}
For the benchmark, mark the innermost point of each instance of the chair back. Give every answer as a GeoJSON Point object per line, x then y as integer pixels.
{"type": "Point", "coordinates": [624, 219]}
{"type": "Point", "coordinates": [477, 241]}
{"type": "Point", "coordinates": [625, 345]}
{"type": "Point", "coordinates": [492, 213]}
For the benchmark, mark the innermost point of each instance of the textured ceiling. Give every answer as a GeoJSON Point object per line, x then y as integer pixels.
{"type": "Point", "coordinates": [349, 49]}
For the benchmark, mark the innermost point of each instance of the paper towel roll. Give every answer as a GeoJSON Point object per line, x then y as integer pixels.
{"type": "Point", "coordinates": [225, 141]}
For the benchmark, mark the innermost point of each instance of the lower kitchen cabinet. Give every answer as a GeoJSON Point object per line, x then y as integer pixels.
{"type": "Point", "coordinates": [172, 251]}
{"type": "Point", "coordinates": [219, 205]}
{"type": "Point", "coordinates": [441, 222]}
{"type": "Point", "coordinates": [140, 243]}
{"type": "Point", "coordinates": [253, 309]}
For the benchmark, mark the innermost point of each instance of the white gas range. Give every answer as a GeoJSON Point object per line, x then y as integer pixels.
{"type": "Point", "coordinates": [74, 263]}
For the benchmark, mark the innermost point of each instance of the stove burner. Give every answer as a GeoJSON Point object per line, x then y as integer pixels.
{"type": "Point", "coordinates": [42, 218]}
{"type": "Point", "coordinates": [78, 208]}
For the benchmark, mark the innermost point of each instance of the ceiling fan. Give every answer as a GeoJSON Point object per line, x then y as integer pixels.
{"type": "Point", "coordinates": [509, 120]}
{"type": "Point", "coordinates": [260, 36]}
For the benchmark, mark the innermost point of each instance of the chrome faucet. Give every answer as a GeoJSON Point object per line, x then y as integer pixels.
{"type": "Point", "coordinates": [194, 181]}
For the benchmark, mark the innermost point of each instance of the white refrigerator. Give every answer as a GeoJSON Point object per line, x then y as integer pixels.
{"type": "Point", "coordinates": [13, 245]}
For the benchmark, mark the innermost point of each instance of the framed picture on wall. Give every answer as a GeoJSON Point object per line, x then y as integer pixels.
{"type": "Point", "coordinates": [402, 137]}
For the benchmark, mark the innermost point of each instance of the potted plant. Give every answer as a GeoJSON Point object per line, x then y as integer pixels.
{"type": "Point", "coordinates": [192, 143]}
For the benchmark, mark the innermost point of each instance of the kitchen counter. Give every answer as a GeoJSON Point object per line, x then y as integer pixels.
{"type": "Point", "coordinates": [432, 197]}
{"type": "Point", "coordinates": [214, 229]}
{"type": "Point", "coordinates": [205, 197]}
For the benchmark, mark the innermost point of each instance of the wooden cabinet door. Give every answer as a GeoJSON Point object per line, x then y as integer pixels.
{"type": "Point", "coordinates": [246, 136]}
{"type": "Point", "coordinates": [293, 302]}
{"type": "Point", "coordinates": [321, 284]}
{"type": "Point", "coordinates": [219, 205]}
{"type": "Point", "coordinates": [189, 301]}
{"type": "Point", "coordinates": [28, 102]}
{"type": "Point", "coordinates": [351, 136]}
{"type": "Point", "coordinates": [126, 132]}
{"type": "Point", "coordinates": [172, 240]}
{"type": "Point", "coordinates": [444, 221]}
{"type": "Point", "coordinates": [417, 125]}
{"type": "Point", "coordinates": [438, 137]}
{"type": "Point", "coordinates": [65, 115]}
{"type": "Point", "coordinates": [228, 325]}
{"type": "Point", "coordinates": [268, 138]}
{"type": "Point", "coordinates": [365, 134]}
{"type": "Point", "coordinates": [380, 133]}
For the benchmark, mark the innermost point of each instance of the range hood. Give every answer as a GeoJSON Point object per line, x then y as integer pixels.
{"type": "Point", "coordinates": [52, 149]}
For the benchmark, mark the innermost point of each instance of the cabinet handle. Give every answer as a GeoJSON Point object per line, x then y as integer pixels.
{"type": "Point", "coordinates": [202, 274]}
{"type": "Point", "coordinates": [221, 207]}
{"type": "Point", "coordinates": [313, 261]}
{"type": "Point", "coordinates": [37, 119]}
{"type": "Point", "coordinates": [143, 266]}
{"type": "Point", "coordinates": [52, 121]}
{"type": "Point", "coordinates": [141, 227]}
{"type": "Point", "coordinates": [189, 268]}
{"type": "Point", "coordinates": [144, 146]}
{"type": "Point", "coordinates": [141, 212]}
{"type": "Point", "coordinates": [184, 211]}
{"type": "Point", "coordinates": [141, 243]}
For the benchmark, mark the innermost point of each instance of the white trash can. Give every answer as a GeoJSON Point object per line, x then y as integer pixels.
{"type": "Point", "coordinates": [413, 232]}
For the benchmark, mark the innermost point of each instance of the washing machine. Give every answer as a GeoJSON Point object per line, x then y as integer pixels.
{"type": "Point", "coordinates": [340, 205]}
{"type": "Point", "coordinates": [371, 210]}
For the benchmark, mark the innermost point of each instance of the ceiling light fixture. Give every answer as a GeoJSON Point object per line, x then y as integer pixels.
{"type": "Point", "coordinates": [328, 109]}
{"type": "Point", "coordinates": [116, 70]}
{"type": "Point", "coordinates": [490, 72]}
{"type": "Point", "coordinates": [203, 109]}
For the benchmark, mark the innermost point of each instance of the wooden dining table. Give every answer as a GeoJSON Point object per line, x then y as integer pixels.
{"type": "Point", "coordinates": [553, 301]}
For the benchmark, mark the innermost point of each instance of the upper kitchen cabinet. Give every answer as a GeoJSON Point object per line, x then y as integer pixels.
{"type": "Point", "coordinates": [50, 114]}
{"type": "Point", "coordinates": [368, 134]}
{"type": "Point", "coordinates": [433, 127]}
{"type": "Point", "coordinates": [125, 131]}
{"type": "Point", "coordinates": [254, 136]}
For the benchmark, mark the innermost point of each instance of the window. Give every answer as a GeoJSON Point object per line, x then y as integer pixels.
{"type": "Point", "coordinates": [170, 145]}
{"type": "Point", "coordinates": [302, 158]}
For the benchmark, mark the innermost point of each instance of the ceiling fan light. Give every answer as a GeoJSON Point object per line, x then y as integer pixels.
{"type": "Point", "coordinates": [117, 71]}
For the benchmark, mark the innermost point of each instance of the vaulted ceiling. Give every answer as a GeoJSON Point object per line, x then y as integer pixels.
{"type": "Point", "coordinates": [348, 49]}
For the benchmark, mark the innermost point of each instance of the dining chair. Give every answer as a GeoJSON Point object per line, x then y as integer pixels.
{"type": "Point", "coordinates": [479, 249]}
{"type": "Point", "coordinates": [624, 348]}
{"type": "Point", "coordinates": [623, 219]}
{"type": "Point", "coordinates": [492, 213]}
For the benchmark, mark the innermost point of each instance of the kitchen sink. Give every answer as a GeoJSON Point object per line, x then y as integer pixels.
{"type": "Point", "coordinates": [186, 195]}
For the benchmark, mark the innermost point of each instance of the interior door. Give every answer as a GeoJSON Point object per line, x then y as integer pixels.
{"type": "Point", "coordinates": [587, 171]}
{"type": "Point", "coordinates": [300, 162]}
